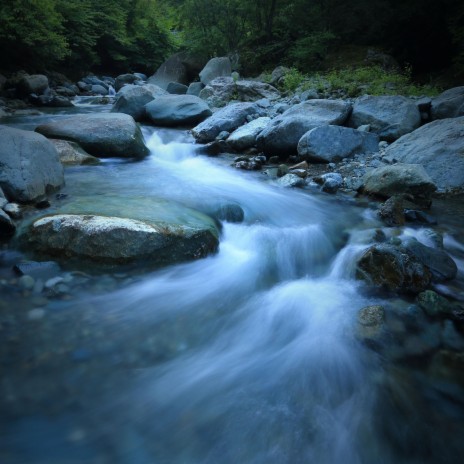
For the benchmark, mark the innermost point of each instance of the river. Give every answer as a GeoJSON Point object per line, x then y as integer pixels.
{"type": "Point", "coordinates": [248, 356]}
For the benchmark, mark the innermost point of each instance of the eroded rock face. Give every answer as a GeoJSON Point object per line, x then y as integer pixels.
{"type": "Point", "coordinates": [449, 104]}
{"type": "Point", "coordinates": [388, 116]}
{"type": "Point", "coordinates": [329, 144]}
{"type": "Point", "coordinates": [177, 110]}
{"type": "Point", "coordinates": [282, 134]}
{"type": "Point", "coordinates": [226, 119]}
{"type": "Point", "coordinates": [387, 181]}
{"type": "Point", "coordinates": [394, 268]}
{"type": "Point", "coordinates": [115, 240]}
{"type": "Point", "coordinates": [438, 147]}
{"type": "Point", "coordinates": [223, 89]}
{"type": "Point", "coordinates": [29, 165]}
{"type": "Point", "coordinates": [216, 67]}
{"type": "Point", "coordinates": [101, 135]}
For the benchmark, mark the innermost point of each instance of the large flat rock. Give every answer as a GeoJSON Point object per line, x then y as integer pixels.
{"type": "Point", "coordinates": [438, 147]}
{"type": "Point", "coordinates": [101, 135]}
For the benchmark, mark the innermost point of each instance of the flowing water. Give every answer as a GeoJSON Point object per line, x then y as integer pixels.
{"type": "Point", "coordinates": [248, 356]}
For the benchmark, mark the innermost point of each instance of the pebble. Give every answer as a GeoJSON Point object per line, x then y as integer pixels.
{"type": "Point", "coordinates": [26, 282]}
{"type": "Point", "coordinates": [36, 314]}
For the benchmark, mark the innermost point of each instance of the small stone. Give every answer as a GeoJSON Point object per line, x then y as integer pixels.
{"type": "Point", "coordinates": [13, 210]}
{"type": "Point", "coordinates": [391, 212]}
{"type": "Point", "coordinates": [36, 314]}
{"type": "Point", "coordinates": [371, 322]}
{"type": "Point", "coordinates": [26, 282]}
{"type": "Point", "coordinates": [43, 204]}
{"type": "Point", "coordinates": [53, 281]}
{"type": "Point", "coordinates": [282, 170]}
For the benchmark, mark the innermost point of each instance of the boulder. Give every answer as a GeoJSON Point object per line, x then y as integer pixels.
{"type": "Point", "coordinates": [278, 74]}
{"type": "Point", "coordinates": [173, 69]}
{"type": "Point", "coordinates": [394, 268]}
{"type": "Point", "coordinates": [7, 226]}
{"type": "Point", "coordinates": [176, 89]}
{"type": "Point", "coordinates": [245, 136]}
{"type": "Point", "coordinates": [329, 144]}
{"type": "Point", "coordinates": [216, 67]}
{"type": "Point", "coordinates": [132, 99]}
{"type": "Point", "coordinates": [99, 90]}
{"type": "Point", "coordinates": [392, 211]}
{"type": "Point", "coordinates": [395, 179]}
{"type": "Point", "coordinates": [29, 165]}
{"type": "Point", "coordinates": [123, 80]}
{"type": "Point", "coordinates": [388, 116]}
{"type": "Point", "coordinates": [223, 89]}
{"type": "Point", "coordinates": [115, 240]}
{"type": "Point", "coordinates": [177, 110]}
{"type": "Point", "coordinates": [230, 212]}
{"type": "Point", "coordinates": [101, 135]}
{"type": "Point", "coordinates": [438, 147]}
{"type": "Point", "coordinates": [71, 153]}
{"type": "Point", "coordinates": [226, 119]}
{"type": "Point", "coordinates": [449, 104]}
{"type": "Point", "coordinates": [195, 88]}
{"type": "Point", "coordinates": [36, 83]}
{"type": "Point", "coordinates": [282, 134]}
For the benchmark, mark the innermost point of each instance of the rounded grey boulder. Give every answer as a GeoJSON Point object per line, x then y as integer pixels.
{"type": "Point", "coordinates": [29, 165]}
{"type": "Point", "coordinates": [332, 143]}
{"type": "Point", "coordinates": [449, 104]}
{"type": "Point", "coordinates": [101, 135]}
{"type": "Point", "coordinates": [177, 110]}
{"type": "Point", "coordinates": [216, 67]}
{"type": "Point", "coordinates": [388, 116]}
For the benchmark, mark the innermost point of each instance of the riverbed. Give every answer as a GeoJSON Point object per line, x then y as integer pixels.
{"type": "Point", "coordinates": [251, 355]}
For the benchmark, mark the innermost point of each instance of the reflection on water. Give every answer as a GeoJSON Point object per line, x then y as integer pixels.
{"type": "Point", "coordinates": [247, 356]}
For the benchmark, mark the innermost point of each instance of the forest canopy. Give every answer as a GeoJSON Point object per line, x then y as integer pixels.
{"type": "Point", "coordinates": [137, 35]}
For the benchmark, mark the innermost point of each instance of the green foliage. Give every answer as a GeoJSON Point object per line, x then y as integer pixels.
{"type": "Point", "coordinates": [308, 52]}
{"type": "Point", "coordinates": [374, 80]}
{"type": "Point", "coordinates": [292, 80]}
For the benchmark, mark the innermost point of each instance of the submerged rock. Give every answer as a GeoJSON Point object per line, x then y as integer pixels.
{"type": "Point", "coordinates": [371, 324]}
{"type": "Point", "coordinates": [101, 135]}
{"type": "Point", "coordinates": [394, 268]}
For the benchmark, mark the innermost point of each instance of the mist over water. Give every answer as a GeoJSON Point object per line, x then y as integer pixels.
{"type": "Point", "coordinates": [247, 356]}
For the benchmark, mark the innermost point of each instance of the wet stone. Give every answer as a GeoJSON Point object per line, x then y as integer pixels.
{"type": "Point", "coordinates": [371, 323]}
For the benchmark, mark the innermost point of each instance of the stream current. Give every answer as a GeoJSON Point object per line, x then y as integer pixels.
{"type": "Point", "coordinates": [248, 356]}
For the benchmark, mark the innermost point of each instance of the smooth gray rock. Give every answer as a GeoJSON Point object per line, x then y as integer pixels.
{"type": "Point", "coordinates": [438, 147]}
{"type": "Point", "coordinates": [7, 226]}
{"type": "Point", "coordinates": [226, 119]}
{"type": "Point", "coordinates": [71, 153]}
{"type": "Point", "coordinates": [388, 116]}
{"type": "Point", "coordinates": [332, 143]}
{"type": "Point", "coordinates": [131, 99]}
{"type": "Point", "coordinates": [245, 136]}
{"type": "Point", "coordinates": [36, 83]}
{"type": "Point", "coordinates": [99, 90]}
{"type": "Point", "coordinates": [282, 134]}
{"type": "Point", "coordinates": [223, 89]}
{"type": "Point", "coordinates": [29, 165]}
{"type": "Point", "coordinates": [441, 265]}
{"type": "Point", "coordinates": [394, 268]}
{"type": "Point", "coordinates": [291, 180]}
{"type": "Point", "coordinates": [216, 67]}
{"type": "Point", "coordinates": [101, 135]}
{"type": "Point", "coordinates": [173, 69]}
{"type": "Point", "coordinates": [195, 88]}
{"type": "Point", "coordinates": [397, 179]}
{"type": "Point", "coordinates": [115, 240]}
{"type": "Point", "coordinates": [177, 110]}
{"type": "Point", "coordinates": [175, 88]}
{"type": "Point", "coordinates": [123, 80]}
{"type": "Point", "coordinates": [449, 104]}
